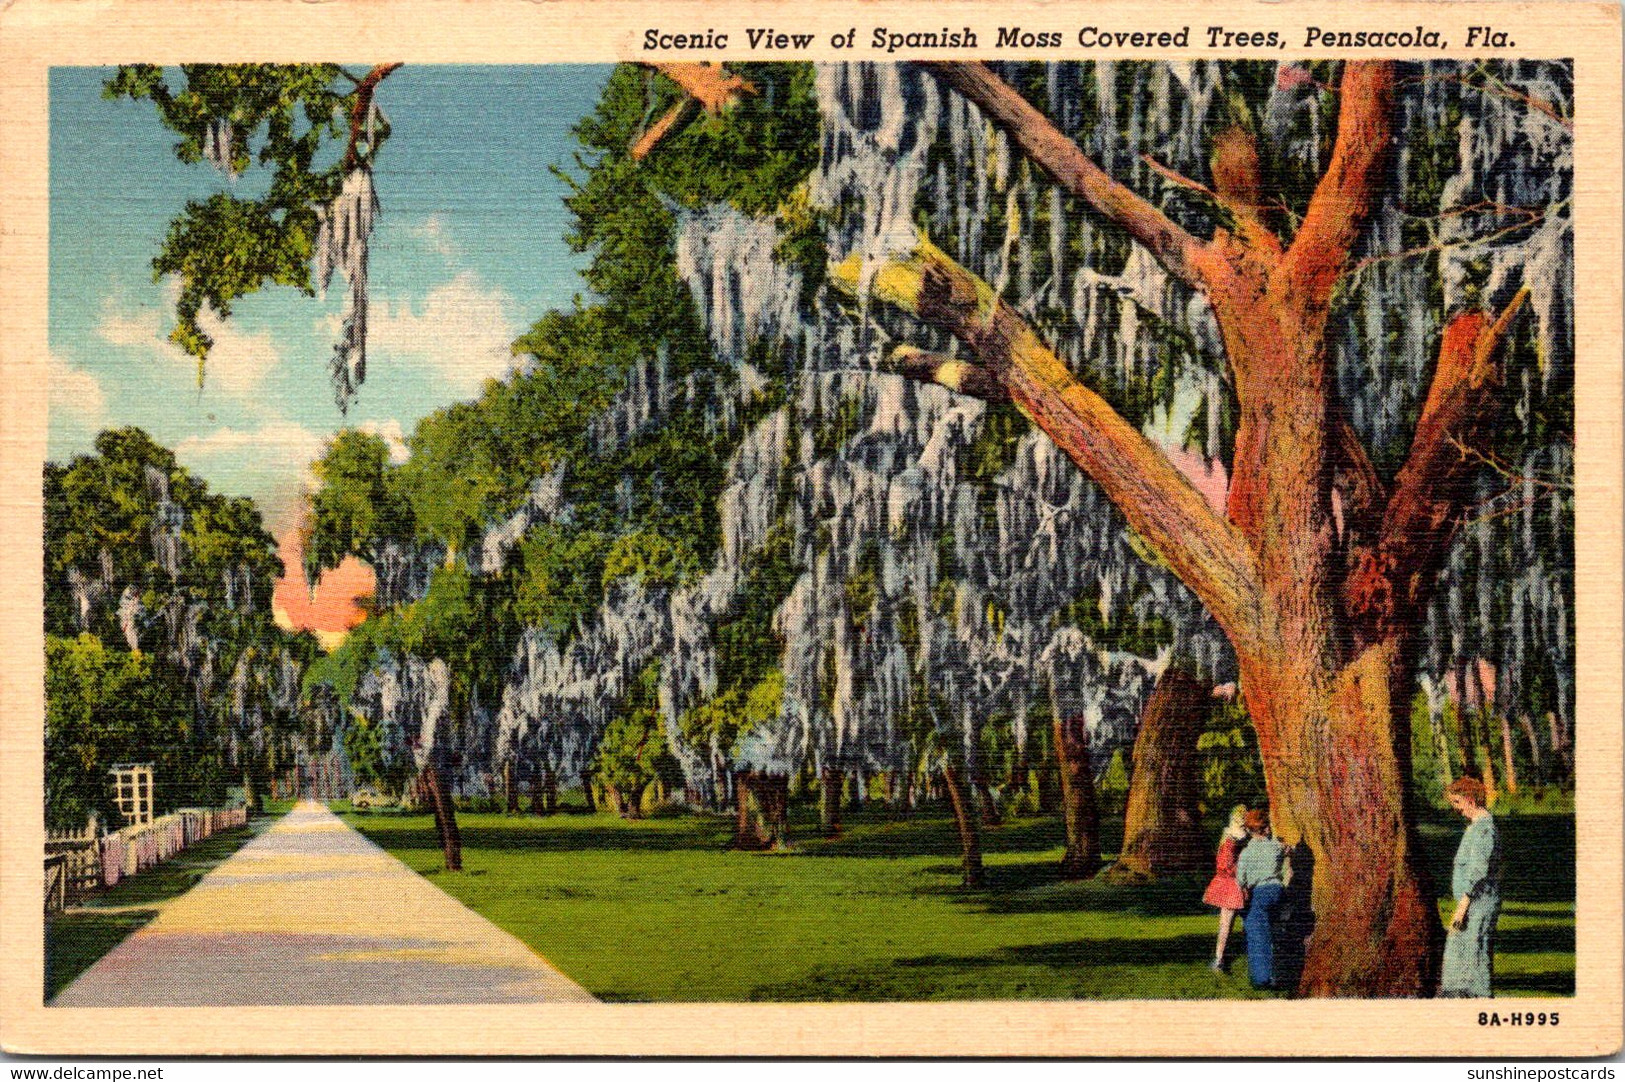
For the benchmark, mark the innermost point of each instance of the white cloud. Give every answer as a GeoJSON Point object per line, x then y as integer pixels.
{"type": "Point", "coordinates": [393, 435]}
{"type": "Point", "coordinates": [435, 235]}
{"type": "Point", "coordinates": [237, 365]}
{"type": "Point", "coordinates": [75, 393]}
{"type": "Point", "coordinates": [270, 463]}
{"type": "Point", "coordinates": [271, 446]}
{"type": "Point", "coordinates": [464, 329]}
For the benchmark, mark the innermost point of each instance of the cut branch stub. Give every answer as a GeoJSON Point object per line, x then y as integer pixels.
{"type": "Point", "coordinates": [707, 86]}
{"type": "Point", "coordinates": [1174, 518]}
{"type": "Point", "coordinates": [957, 375]}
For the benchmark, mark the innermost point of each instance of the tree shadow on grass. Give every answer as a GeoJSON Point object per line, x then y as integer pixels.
{"type": "Point", "coordinates": [1116, 968]}
{"type": "Point", "coordinates": [575, 839]}
{"type": "Point", "coordinates": [1537, 854]}
{"type": "Point", "coordinates": [1034, 888]}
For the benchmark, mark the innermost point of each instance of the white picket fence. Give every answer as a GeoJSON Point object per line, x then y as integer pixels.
{"type": "Point", "coordinates": [78, 863]}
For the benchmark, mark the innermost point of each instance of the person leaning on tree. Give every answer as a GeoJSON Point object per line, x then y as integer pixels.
{"type": "Point", "coordinates": [1260, 871]}
{"type": "Point", "coordinates": [1475, 883]}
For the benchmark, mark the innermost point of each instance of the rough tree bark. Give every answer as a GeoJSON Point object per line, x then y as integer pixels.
{"type": "Point", "coordinates": [1320, 608]}
{"type": "Point", "coordinates": [445, 817]}
{"type": "Point", "coordinates": [772, 793]}
{"type": "Point", "coordinates": [1162, 828]}
{"type": "Point", "coordinates": [829, 801]}
{"type": "Point", "coordinates": [963, 799]}
{"type": "Point", "coordinates": [1079, 809]}
{"type": "Point", "coordinates": [746, 836]}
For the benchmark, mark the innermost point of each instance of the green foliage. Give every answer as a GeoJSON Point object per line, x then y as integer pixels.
{"type": "Point", "coordinates": [559, 580]}
{"type": "Point", "coordinates": [359, 502]}
{"type": "Point", "coordinates": [1232, 771]}
{"type": "Point", "coordinates": [649, 557]}
{"type": "Point", "coordinates": [225, 248]}
{"type": "Point", "coordinates": [109, 706]}
{"type": "Point", "coordinates": [748, 648]}
{"type": "Point", "coordinates": [994, 449]}
{"type": "Point", "coordinates": [1121, 628]}
{"type": "Point", "coordinates": [281, 117]}
{"type": "Point", "coordinates": [632, 754]}
{"type": "Point", "coordinates": [1114, 783]}
{"type": "Point", "coordinates": [99, 516]}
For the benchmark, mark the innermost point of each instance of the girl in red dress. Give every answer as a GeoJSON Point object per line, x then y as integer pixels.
{"type": "Point", "coordinates": [1224, 892]}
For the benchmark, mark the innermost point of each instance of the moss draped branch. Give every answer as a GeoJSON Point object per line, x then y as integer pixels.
{"type": "Point", "coordinates": [1204, 550]}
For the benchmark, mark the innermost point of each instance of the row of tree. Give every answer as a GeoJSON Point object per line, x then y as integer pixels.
{"type": "Point", "coordinates": [774, 505]}
{"type": "Point", "coordinates": [159, 640]}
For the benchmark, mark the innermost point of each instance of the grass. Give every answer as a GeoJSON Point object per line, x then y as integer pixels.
{"type": "Point", "coordinates": [78, 938]}
{"type": "Point", "coordinates": [657, 910]}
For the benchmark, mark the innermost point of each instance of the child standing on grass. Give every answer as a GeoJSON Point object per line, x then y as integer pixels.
{"type": "Point", "coordinates": [1259, 871]}
{"type": "Point", "coordinates": [1224, 892]}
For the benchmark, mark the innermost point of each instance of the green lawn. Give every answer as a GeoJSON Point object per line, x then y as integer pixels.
{"type": "Point", "coordinates": [658, 910]}
{"type": "Point", "coordinates": [76, 939]}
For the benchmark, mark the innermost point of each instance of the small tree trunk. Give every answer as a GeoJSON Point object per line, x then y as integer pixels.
{"type": "Point", "coordinates": [1079, 809]}
{"type": "Point", "coordinates": [746, 836]}
{"type": "Point", "coordinates": [990, 807]}
{"type": "Point", "coordinates": [1441, 748]}
{"type": "Point", "coordinates": [445, 817]}
{"type": "Point", "coordinates": [829, 801]}
{"type": "Point", "coordinates": [510, 789]}
{"type": "Point", "coordinates": [966, 818]}
{"type": "Point", "coordinates": [251, 793]}
{"type": "Point", "coordinates": [586, 791]}
{"type": "Point", "coordinates": [1162, 827]}
{"type": "Point", "coordinates": [772, 793]}
{"type": "Point", "coordinates": [1560, 743]}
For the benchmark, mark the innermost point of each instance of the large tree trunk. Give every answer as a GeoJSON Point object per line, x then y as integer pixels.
{"type": "Point", "coordinates": [772, 793]}
{"type": "Point", "coordinates": [1079, 809]}
{"type": "Point", "coordinates": [746, 835]}
{"type": "Point", "coordinates": [1318, 605]}
{"type": "Point", "coordinates": [1162, 828]}
{"type": "Point", "coordinates": [968, 822]}
{"type": "Point", "coordinates": [445, 817]}
{"type": "Point", "coordinates": [1336, 758]}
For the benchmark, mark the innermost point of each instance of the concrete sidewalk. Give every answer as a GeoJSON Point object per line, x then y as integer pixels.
{"type": "Point", "coordinates": [311, 912]}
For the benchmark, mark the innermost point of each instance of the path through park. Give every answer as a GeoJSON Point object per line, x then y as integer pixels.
{"type": "Point", "coordinates": [310, 912]}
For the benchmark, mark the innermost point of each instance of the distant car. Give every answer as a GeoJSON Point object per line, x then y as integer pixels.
{"type": "Point", "coordinates": [362, 799]}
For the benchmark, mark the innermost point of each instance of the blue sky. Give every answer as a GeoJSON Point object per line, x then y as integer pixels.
{"type": "Point", "coordinates": [469, 251]}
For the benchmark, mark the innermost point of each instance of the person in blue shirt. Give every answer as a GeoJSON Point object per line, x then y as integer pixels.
{"type": "Point", "coordinates": [1475, 883]}
{"type": "Point", "coordinates": [1259, 870]}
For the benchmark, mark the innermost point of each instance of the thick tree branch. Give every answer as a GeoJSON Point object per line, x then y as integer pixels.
{"type": "Point", "coordinates": [360, 105]}
{"type": "Point", "coordinates": [1432, 489]}
{"type": "Point", "coordinates": [709, 86]}
{"type": "Point", "coordinates": [1174, 518]}
{"type": "Point", "coordinates": [1351, 182]}
{"type": "Point", "coordinates": [1048, 148]}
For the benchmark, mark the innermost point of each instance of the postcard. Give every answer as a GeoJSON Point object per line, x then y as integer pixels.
{"type": "Point", "coordinates": [852, 529]}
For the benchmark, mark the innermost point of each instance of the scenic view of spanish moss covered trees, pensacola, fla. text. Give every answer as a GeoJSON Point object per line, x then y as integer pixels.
{"type": "Point", "coordinates": [868, 531]}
